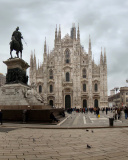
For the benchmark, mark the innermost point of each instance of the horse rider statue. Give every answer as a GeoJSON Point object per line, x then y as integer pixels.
{"type": "Point", "coordinates": [16, 43]}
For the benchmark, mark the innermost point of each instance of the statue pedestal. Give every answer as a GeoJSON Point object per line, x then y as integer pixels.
{"type": "Point", "coordinates": [16, 93]}
{"type": "Point", "coordinates": [16, 96]}
{"type": "Point", "coordinates": [13, 95]}
{"type": "Point", "coordinates": [16, 71]}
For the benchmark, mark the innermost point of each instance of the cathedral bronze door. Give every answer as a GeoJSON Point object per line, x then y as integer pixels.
{"type": "Point", "coordinates": [84, 103]}
{"type": "Point", "coordinates": [96, 103]}
{"type": "Point", "coordinates": [51, 102]}
{"type": "Point", "coordinates": [67, 101]}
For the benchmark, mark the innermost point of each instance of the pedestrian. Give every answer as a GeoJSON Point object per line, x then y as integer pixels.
{"type": "Point", "coordinates": [24, 116]}
{"type": "Point", "coordinates": [106, 110]}
{"type": "Point", "coordinates": [118, 113]}
{"type": "Point", "coordinates": [1, 117]}
{"type": "Point", "coordinates": [52, 117]}
{"type": "Point", "coordinates": [115, 113]}
{"type": "Point", "coordinates": [97, 112]}
{"type": "Point", "coordinates": [125, 111]}
{"type": "Point", "coordinates": [84, 110]}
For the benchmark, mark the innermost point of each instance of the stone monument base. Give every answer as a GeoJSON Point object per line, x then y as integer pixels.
{"type": "Point", "coordinates": [12, 94]}
{"type": "Point", "coordinates": [17, 98]}
{"type": "Point", "coordinates": [20, 96]}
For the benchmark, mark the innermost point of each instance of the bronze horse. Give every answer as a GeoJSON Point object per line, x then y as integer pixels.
{"type": "Point", "coordinates": [15, 45]}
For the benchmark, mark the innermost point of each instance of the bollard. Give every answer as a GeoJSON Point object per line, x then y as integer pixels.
{"type": "Point", "coordinates": [111, 120]}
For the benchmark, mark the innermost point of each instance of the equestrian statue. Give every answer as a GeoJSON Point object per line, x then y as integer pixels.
{"type": "Point", "coordinates": [16, 43]}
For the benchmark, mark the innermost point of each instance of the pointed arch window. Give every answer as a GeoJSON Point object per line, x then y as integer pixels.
{"type": "Point", "coordinates": [84, 87]}
{"type": "Point", "coordinates": [51, 74]}
{"type": "Point", "coordinates": [67, 56]}
{"type": "Point", "coordinates": [51, 88]}
{"type": "Point", "coordinates": [96, 87]}
{"type": "Point", "coordinates": [67, 77]}
{"type": "Point", "coordinates": [84, 73]}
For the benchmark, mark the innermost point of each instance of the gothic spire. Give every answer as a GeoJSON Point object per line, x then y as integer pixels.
{"type": "Point", "coordinates": [78, 34]}
{"type": "Point", "coordinates": [45, 47]}
{"type": "Point", "coordinates": [104, 56]}
{"type": "Point", "coordinates": [48, 49]}
{"type": "Point", "coordinates": [89, 43]}
{"type": "Point", "coordinates": [73, 32]}
{"type": "Point", "coordinates": [59, 34]}
{"type": "Point", "coordinates": [38, 63]}
{"type": "Point", "coordinates": [31, 60]}
{"type": "Point", "coordinates": [101, 57]}
{"type": "Point", "coordinates": [56, 34]}
{"type": "Point", "coordinates": [34, 55]}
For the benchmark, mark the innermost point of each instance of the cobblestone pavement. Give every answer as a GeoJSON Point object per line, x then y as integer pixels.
{"type": "Point", "coordinates": [64, 144]}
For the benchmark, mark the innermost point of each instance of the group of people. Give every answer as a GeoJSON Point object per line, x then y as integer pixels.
{"type": "Point", "coordinates": [116, 111]}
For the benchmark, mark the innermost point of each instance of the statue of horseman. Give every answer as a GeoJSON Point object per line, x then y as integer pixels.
{"type": "Point", "coordinates": [16, 43]}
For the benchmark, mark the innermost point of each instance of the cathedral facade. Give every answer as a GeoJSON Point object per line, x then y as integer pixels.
{"type": "Point", "coordinates": [68, 76]}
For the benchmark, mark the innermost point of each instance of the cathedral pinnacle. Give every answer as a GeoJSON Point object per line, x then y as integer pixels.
{"type": "Point", "coordinates": [78, 33]}
{"type": "Point", "coordinates": [89, 43]}
{"type": "Point", "coordinates": [38, 63]}
{"type": "Point", "coordinates": [56, 31]}
{"type": "Point", "coordinates": [73, 32]}
{"type": "Point", "coordinates": [56, 37]}
{"type": "Point", "coordinates": [104, 56]}
{"type": "Point", "coordinates": [59, 34]}
{"type": "Point", "coordinates": [45, 47]}
{"type": "Point", "coordinates": [101, 57]}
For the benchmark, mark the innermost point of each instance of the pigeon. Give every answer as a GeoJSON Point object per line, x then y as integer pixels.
{"type": "Point", "coordinates": [87, 130]}
{"type": "Point", "coordinates": [88, 146]}
{"type": "Point", "coordinates": [34, 140]}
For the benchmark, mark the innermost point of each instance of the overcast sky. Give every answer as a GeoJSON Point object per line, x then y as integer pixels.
{"type": "Point", "coordinates": [106, 21]}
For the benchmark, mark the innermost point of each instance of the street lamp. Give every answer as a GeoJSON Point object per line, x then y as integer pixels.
{"type": "Point", "coordinates": [116, 88]}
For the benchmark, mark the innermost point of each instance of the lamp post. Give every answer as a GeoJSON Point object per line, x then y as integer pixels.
{"type": "Point", "coordinates": [116, 89]}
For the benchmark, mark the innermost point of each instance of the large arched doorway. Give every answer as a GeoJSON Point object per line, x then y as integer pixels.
{"type": "Point", "coordinates": [51, 103]}
{"type": "Point", "coordinates": [67, 101]}
{"type": "Point", "coordinates": [96, 103]}
{"type": "Point", "coordinates": [84, 103]}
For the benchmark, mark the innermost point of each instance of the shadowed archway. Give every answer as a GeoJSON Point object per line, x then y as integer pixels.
{"type": "Point", "coordinates": [67, 101]}
{"type": "Point", "coordinates": [84, 103]}
{"type": "Point", "coordinates": [96, 103]}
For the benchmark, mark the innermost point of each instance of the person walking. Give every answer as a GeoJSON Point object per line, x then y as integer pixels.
{"type": "Point", "coordinates": [125, 111]}
{"type": "Point", "coordinates": [106, 110]}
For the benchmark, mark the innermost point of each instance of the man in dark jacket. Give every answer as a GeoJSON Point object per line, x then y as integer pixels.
{"type": "Point", "coordinates": [53, 117]}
